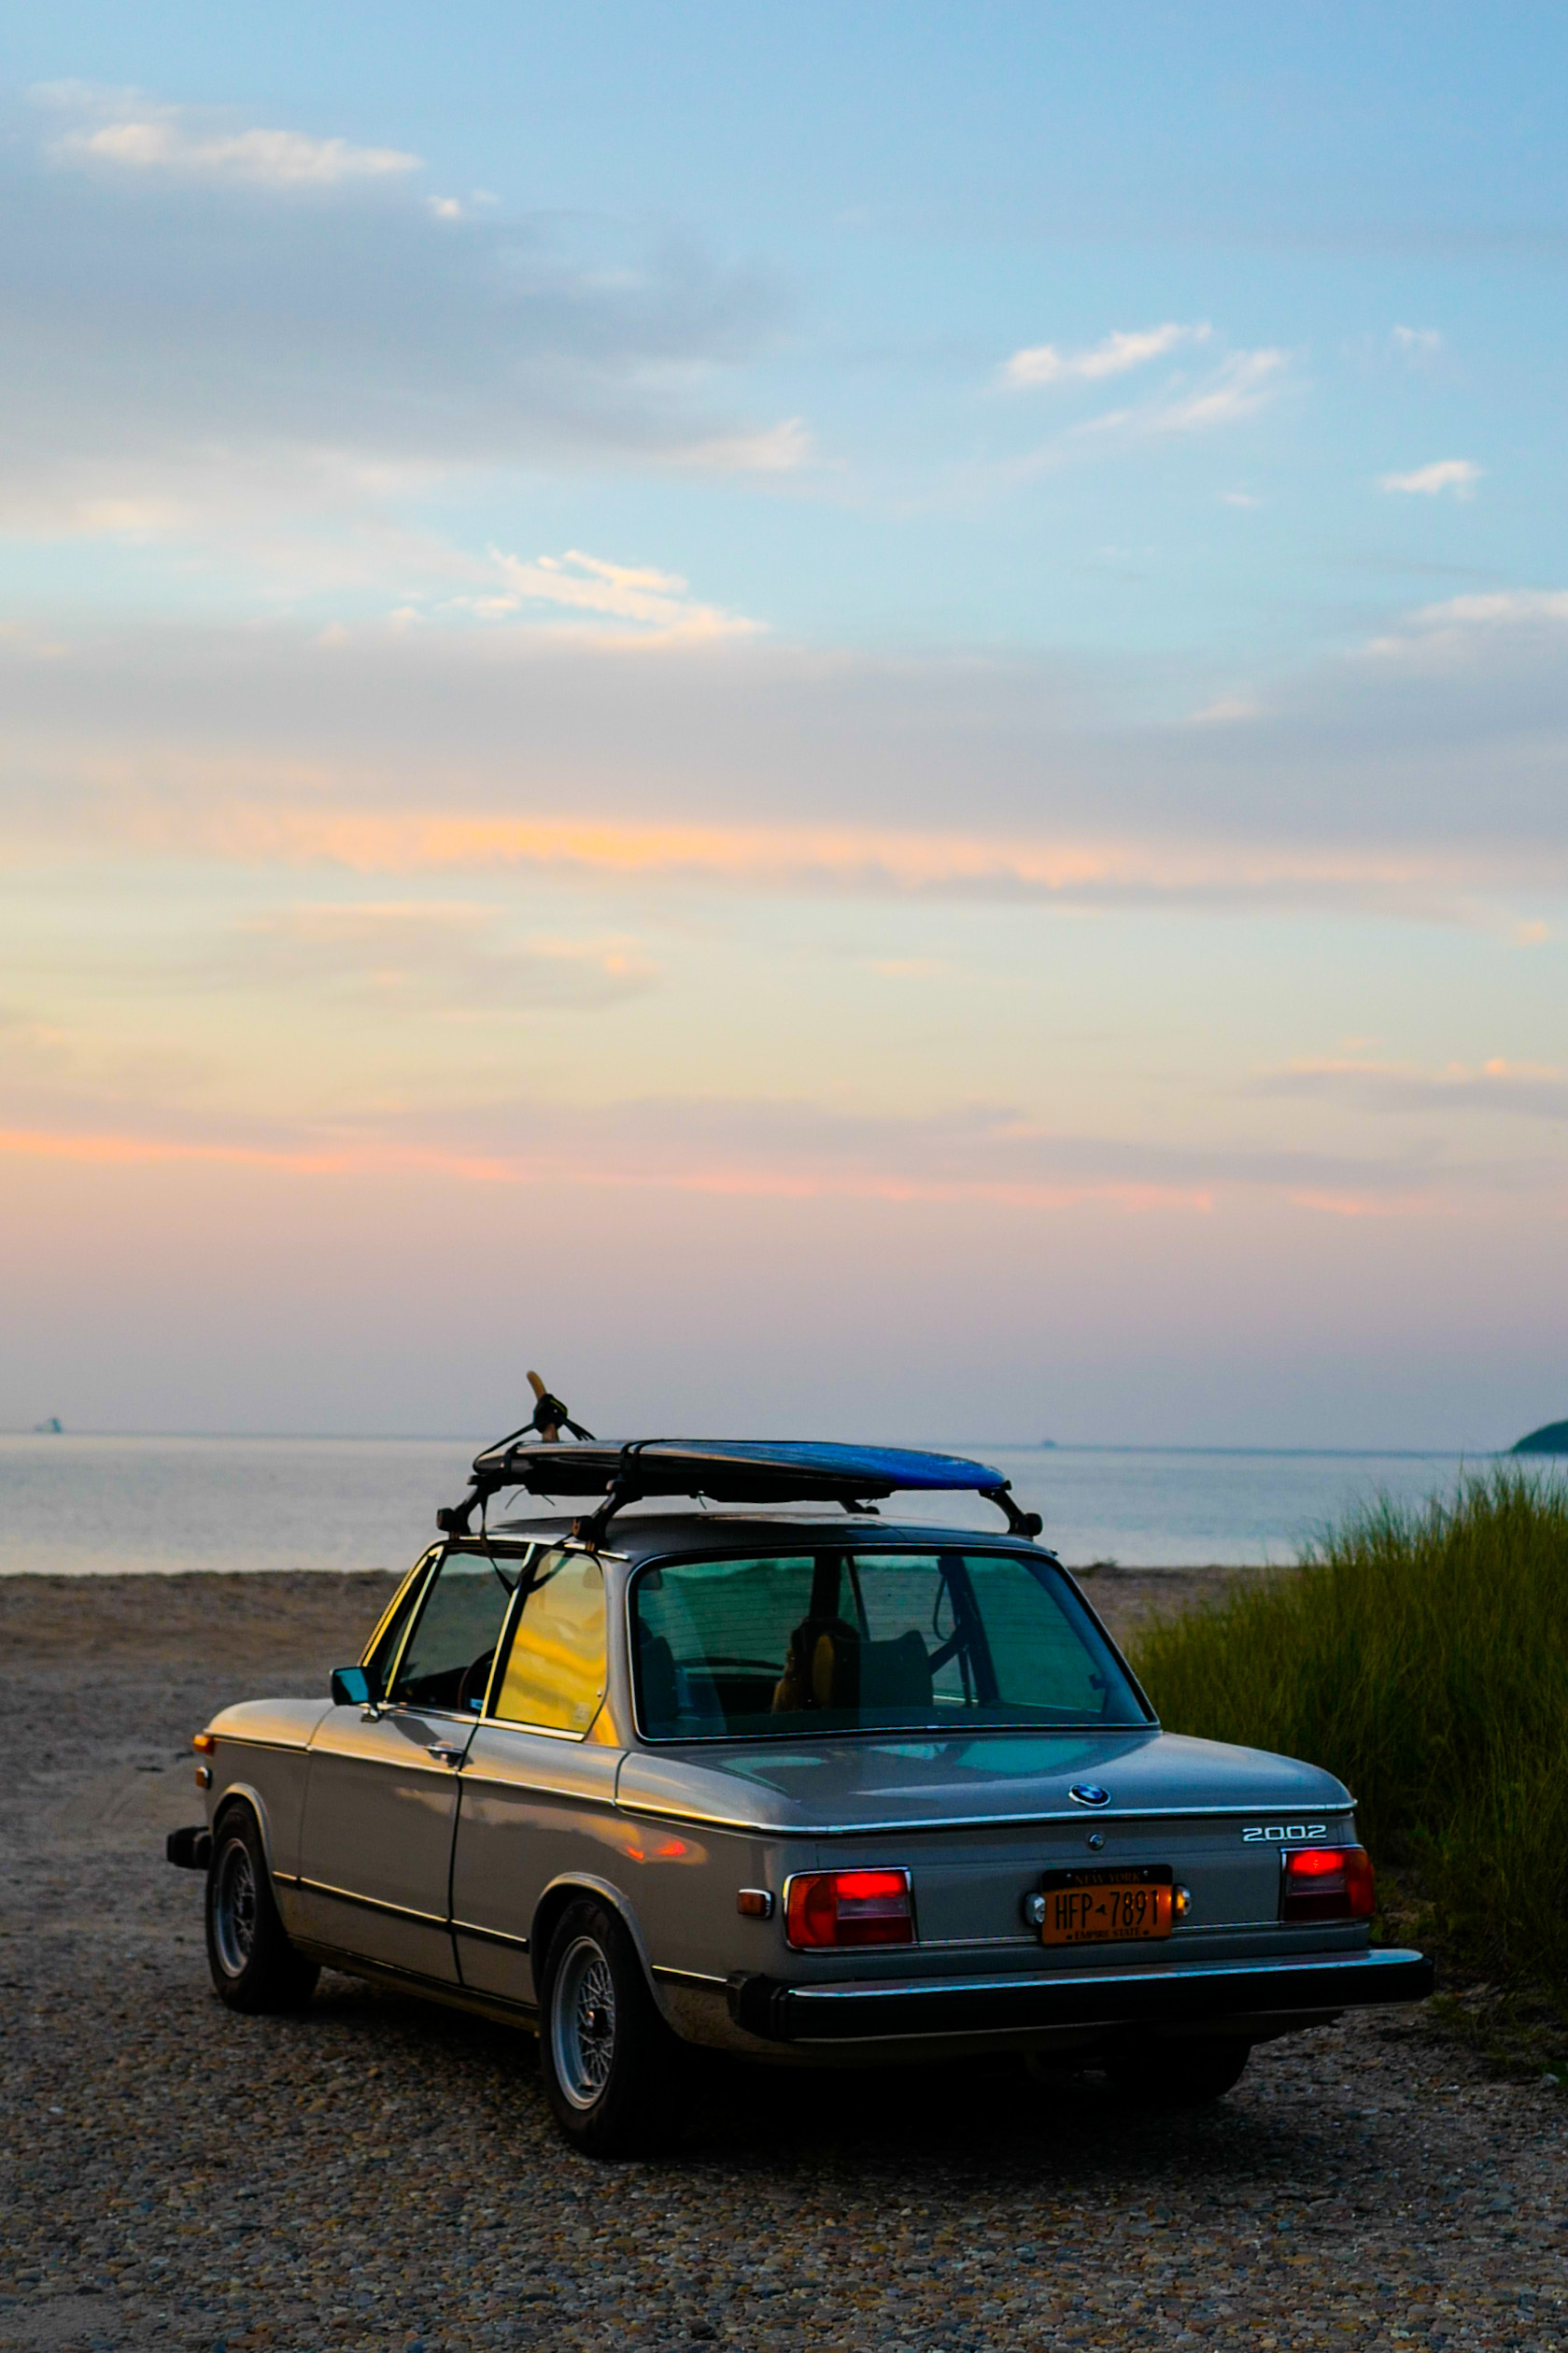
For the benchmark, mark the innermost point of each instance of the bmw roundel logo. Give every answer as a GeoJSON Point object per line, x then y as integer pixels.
{"type": "Point", "coordinates": [1089, 1794]}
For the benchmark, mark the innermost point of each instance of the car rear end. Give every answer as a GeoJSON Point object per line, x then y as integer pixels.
{"type": "Point", "coordinates": [1022, 1858]}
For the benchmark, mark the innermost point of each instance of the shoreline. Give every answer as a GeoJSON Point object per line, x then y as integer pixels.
{"type": "Point", "coordinates": [244, 1620]}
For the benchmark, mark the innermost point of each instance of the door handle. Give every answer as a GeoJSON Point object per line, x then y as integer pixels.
{"type": "Point", "coordinates": [444, 1754]}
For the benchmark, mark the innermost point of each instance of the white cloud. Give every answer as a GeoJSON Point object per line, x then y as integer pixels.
{"type": "Point", "coordinates": [1042, 363]}
{"type": "Point", "coordinates": [197, 143]}
{"type": "Point", "coordinates": [1417, 343]}
{"type": "Point", "coordinates": [1238, 498]}
{"type": "Point", "coordinates": [779, 448]}
{"type": "Point", "coordinates": [1225, 712]}
{"type": "Point", "coordinates": [1456, 474]}
{"type": "Point", "coordinates": [1238, 389]}
{"type": "Point", "coordinates": [655, 606]}
{"type": "Point", "coordinates": [1442, 630]}
{"type": "Point", "coordinates": [422, 956]}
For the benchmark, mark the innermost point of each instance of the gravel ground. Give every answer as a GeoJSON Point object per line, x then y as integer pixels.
{"type": "Point", "coordinates": [378, 2174]}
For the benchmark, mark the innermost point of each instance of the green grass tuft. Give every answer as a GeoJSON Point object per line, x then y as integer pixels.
{"type": "Point", "coordinates": [1422, 1656]}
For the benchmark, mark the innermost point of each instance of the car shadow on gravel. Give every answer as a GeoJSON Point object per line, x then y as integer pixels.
{"type": "Point", "coordinates": [986, 2123]}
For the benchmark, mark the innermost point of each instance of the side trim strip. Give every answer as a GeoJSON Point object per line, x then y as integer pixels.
{"type": "Point", "coordinates": [372, 1903]}
{"type": "Point", "coordinates": [488, 1936]}
{"type": "Point", "coordinates": [690, 1976]}
{"type": "Point", "coordinates": [475, 1776]}
{"type": "Point", "coordinates": [456, 1997]}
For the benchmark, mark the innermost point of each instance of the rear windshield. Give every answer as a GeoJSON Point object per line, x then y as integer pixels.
{"type": "Point", "coordinates": [861, 1641]}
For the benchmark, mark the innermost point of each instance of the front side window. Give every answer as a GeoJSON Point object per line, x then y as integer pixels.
{"type": "Point", "coordinates": [446, 1660]}
{"type": "Point", "coordinates": [388, 1636]}
{"type": "Point", "coordinates": [554, 1676]}
{"type": "Point", "coordinates": [848, 1641]}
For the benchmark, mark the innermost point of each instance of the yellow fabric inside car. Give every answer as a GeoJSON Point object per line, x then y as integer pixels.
{"type": "Point", "coordinates": [830, 1667]}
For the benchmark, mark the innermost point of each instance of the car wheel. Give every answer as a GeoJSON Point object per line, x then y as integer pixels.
{"type": "Point", "coordinates": [608, 2059]}
{"type": "Point", "coordinates": [254, 1966]}
{"type": "Point", "coordinates": [1181, 2075]}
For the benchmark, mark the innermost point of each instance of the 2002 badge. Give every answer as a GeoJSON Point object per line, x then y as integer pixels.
{"type": "Point", "coordinates": [1286, 1833]}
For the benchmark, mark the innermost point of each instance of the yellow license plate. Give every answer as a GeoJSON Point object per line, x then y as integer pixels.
{"type": "Point", "coordinates": [1106, 1907]}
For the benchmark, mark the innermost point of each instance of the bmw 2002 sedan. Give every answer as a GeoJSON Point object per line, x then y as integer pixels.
{"type": "Point", "coordinates": [766, 1772]}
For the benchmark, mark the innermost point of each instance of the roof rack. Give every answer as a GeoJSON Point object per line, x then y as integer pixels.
{"type": "Point", "coordinates": [725, 1471]}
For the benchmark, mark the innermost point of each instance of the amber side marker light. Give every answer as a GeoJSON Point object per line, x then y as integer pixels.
{"type": "Point", "coordinates": [1326, 1883]}
{"type": "Point", "coordinates": [836, 1908]}
{"type": "Point", "coordinates": [204, 1743]}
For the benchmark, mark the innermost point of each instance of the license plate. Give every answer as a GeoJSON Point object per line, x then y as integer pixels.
{"type": "Point", "coordinates": [1105, 1905]}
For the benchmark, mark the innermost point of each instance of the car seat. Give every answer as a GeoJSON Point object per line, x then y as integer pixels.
{"type": "Point", "coordinates": [822, 1667]}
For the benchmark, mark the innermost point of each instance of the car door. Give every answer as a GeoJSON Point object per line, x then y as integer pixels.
{"type": "Point", "coordinates": [381, 1795]}
{"type": "Point", "coordinates": [538, 1788]}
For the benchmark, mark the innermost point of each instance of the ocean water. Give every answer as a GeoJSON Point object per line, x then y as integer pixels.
{"type": "Point", "coordinates": [92, 1505]}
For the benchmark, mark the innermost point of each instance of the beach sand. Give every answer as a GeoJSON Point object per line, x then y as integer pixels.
{"type": "Point", "coordinates": [292, 1621]}
{"type": "Point", "coordinates": [377, 2173]}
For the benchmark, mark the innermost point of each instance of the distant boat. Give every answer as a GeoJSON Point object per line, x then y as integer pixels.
{"type": "Point", "coordinates": [1551, 1439]}
{"type": "Point", "coordinates": [53, 1427]}
{"type": "Point", "coordinates": [1049, 1443]}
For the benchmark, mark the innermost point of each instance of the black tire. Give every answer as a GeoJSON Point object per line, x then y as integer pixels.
{"type": "Point", "coordinates": [1180, 2075]}
{"type": "Point", "coordinates": [254, 1966]}
{"type": "Point", "coordinates": [610, 2063]}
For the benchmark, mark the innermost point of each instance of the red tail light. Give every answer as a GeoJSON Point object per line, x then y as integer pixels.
{"type": "Point", "coordinates": [848, 1907]}
{"type": "Point", "coordinates": [1327, 1883]}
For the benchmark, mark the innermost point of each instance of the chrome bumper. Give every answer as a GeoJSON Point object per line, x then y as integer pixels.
{"type": "Point", "coordinates": [1178, 1993]}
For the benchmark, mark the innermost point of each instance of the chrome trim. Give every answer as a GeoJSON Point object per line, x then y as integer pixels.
{"type": "Point", "coordinates": [454, 1997]}
{"type": "Point", "coordinates": [371, 1903]}
{"type": "Point", "coordinates": [935, 1822]}
{"type": "Point", "coordinates": [541, 1788]}
{"type": "Point", "coordinates": [395, 1604]}
{"type": "Point", "coordinates": [279, 1747]}
{"type": "Point", "coordinates": [488, 1936]}
{"type": "Point", "coordinates": [688, 1976]}
{"type": "Point", "coordinates": [1187, 1973]}
{"type": "Point", "coordinates": [542, 1732]}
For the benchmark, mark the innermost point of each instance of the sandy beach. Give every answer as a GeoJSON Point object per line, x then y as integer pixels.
{"type": "Point", "coordinates": [377, 2173]}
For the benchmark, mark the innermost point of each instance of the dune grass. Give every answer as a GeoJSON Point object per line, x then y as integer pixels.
{"type": "Point", "coordinates": [1421, 1655]}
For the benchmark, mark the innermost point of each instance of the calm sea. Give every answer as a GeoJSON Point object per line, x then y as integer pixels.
{"type": "Point", "coordinates": [93, 1505]}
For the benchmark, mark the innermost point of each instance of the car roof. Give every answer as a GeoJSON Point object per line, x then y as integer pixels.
{"type": "Point", "coordinates": [640, 1536]}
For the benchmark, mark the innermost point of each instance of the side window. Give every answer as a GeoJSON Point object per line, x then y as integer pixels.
{"type": "Point", "coordinates": [554, 1672]}
{"type": "Point", "coordinates": [447, 1661]}
{"type": "Point", "coordinates": [388, 1636]}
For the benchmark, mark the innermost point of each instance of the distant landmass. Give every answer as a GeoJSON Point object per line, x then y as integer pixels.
{"type": "Point", "coordinates": [1551, 1439]}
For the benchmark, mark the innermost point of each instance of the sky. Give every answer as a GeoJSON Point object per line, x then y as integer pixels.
{"type": "Point", "coordinates": [844, 721]}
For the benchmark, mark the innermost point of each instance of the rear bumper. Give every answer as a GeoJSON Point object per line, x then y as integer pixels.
{"type": "Point", "coordinates": [1184, 1993]}
{"type": "Point", "coordinates": [191, 1849]}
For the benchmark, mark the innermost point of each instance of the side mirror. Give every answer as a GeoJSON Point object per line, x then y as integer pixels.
{"type": "Point", "coordinates": [350, 1687]}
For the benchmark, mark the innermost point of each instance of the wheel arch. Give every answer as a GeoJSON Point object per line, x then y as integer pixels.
{"type": "Point", "coordinates": [554, 1902]}
{"type": "Point", "coordinates": [241, 1797]}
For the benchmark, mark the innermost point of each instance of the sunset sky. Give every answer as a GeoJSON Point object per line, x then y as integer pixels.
{"type": "Point", "coordinates": [843, 721]}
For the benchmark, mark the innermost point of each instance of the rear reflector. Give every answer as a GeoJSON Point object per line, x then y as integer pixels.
{"type": "Point", "coordinates": [1326, 1883]}
{"type": "Point", "coordinates": [848, 1907]}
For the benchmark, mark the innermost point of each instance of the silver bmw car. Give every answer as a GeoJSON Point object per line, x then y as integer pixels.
{"type": "Point", "coordinates": [724, 1758]}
